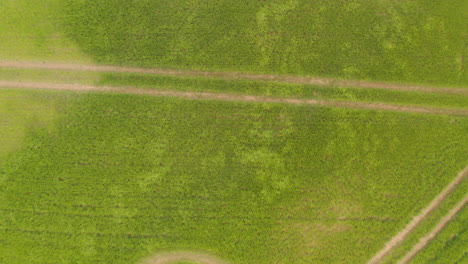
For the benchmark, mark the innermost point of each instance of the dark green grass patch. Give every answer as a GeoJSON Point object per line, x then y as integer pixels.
{"type": "Point", "coordinates": [122, 177]}
{"type": "Point", "coordinates": [399, 41]}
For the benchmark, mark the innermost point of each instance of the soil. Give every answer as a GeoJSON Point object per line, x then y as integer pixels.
{"type": "Point", "coordinates": [179, 256]}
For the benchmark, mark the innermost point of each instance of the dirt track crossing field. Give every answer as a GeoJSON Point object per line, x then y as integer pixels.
{"type": "Point", "coordinates": [233, 97]}
{"type": "Point", "coordinates": [440, 226]}
{"type": "Point", "coordinates": [232, 76]}
{"type": "Point", "coordinates": [396, 240]}
{"type": "Point", "coordinates": [178, 256]}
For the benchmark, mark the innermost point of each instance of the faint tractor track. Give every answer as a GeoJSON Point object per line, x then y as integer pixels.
{"type": "Point", "coordinates": [440, 226]}
{"type": "Point", "coordinates": [234, 97]}
{"type": "Point", "coordinates": [232, 76]}
{"type": "Point", "coordinates": [396, 240]}
{"type": "Point", "coordinates": [178, 256]}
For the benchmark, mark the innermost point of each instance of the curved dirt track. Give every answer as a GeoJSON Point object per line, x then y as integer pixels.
{"type": "Point", "coordinates": [174, 257]}
{"type": "Point", "coordinates": [233, 97]}
{"type": "Point", "coordinates": [396, 240]}
{"type": "Point", "coordinates": [232, 76]}
{"type": "Point", "coordinates": [440, 226]}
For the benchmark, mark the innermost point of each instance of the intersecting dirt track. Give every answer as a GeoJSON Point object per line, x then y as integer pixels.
{"type": "Point", "coordinates": [232, 75]}
{"type": "Point", "coordinates": [233, 97]}
{"type": "Point", "coordinates": [179, 256]}
{"type": "Point", "coordinates": [396, 240]}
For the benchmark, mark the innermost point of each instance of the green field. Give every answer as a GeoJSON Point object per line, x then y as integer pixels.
{"type": "Point", "coordinates": [118, 178]}
{"type": "Point", "coordinates": [402, 41]}
{"type": "Point", "coordinates": [449, 246]}
{"type": "Point", "coordinates": [435, 247]}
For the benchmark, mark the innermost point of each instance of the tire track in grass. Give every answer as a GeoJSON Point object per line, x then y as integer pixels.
{"type": "Point", "coordinates": [179, 256]}
{"type": "Point", "coordinates": [440, 226]}
{"type": "Point", "coordinates": [396, 240]}
{"type": "Point", "coordinates": [234, 97]}
{"type": "Point", "coordinates": [233, 76]}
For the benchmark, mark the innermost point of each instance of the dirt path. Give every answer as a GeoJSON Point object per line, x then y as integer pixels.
{"type": "Point", "coordinates": [440, 226]}
{"type": "Point", "coordinates": [396, 240]}
{"type": "Point", "coordinates": [232, 75]}
{"type": "Point", "coordinates": [174, 257]}
{"type": "Point", "coordinates": [233, 97]}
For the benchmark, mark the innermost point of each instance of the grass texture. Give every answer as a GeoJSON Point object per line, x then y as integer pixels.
{"type": "Point", "coordinates": [115, 178]}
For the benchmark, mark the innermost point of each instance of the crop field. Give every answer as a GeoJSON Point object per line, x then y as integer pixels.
{"type": "Point", "coordinates": [449, 246]}
{"type": "Point", "coordinates": [427, 227]}
{"type": "Point", "coordinates": [118, 177]}
{"type": "Point", "coordinates": [414, 41]}
{"type": "Point", "coordinates": [233, 132]}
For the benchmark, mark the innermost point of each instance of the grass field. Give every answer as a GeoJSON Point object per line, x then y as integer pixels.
{"type": "Point", "coordinates": [120, 177]}
{"type": "Point", "coordinates": [429, 224]}
{"type": "Point", "coordinates": [401, 41]}
{"type": "Point", "coordinates": [105, 177]}
{"type": "Point", "coordinates": [449, 246]}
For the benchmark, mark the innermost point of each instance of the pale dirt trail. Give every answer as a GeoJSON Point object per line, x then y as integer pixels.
{"type": "Point", "coordinates": [173, 257]}
{"type": "Point", "coordinates": [396, 240]}
{"type": "Point", "coordinates": [233, 97]}
{"type": "Point", "coordinates": [232, 76]}
{"type": "Point", "coordinates": [440, 226]}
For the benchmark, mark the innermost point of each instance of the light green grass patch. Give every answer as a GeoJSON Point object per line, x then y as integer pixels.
{"type": "Point", "coordinates": [31, 30]}
{"type": "Point", "coordinates": [21, 111]}
{"type": "Point", "coordinates": [49, 76]}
